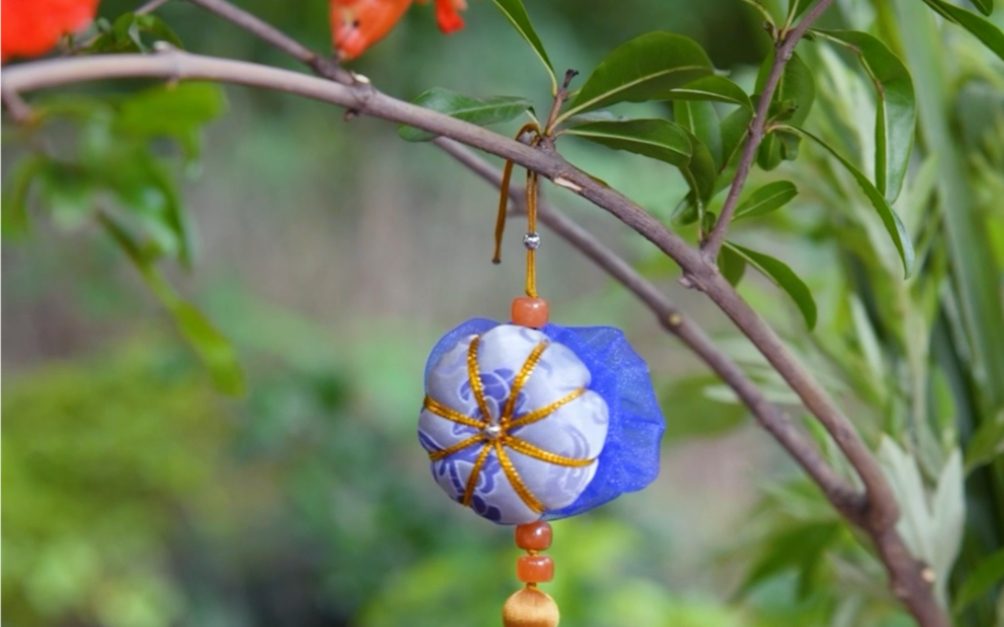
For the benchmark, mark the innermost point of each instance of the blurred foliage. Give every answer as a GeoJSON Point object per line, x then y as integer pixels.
{"type": "Point", "coordinates": [137, 497]}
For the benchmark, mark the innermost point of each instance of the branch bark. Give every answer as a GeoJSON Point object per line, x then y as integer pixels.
{"type": "Point", "coordinates": [754, 137]}
{"type": "Point", "coordinates": [879, 512]}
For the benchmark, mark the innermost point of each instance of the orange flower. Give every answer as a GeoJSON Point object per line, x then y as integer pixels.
{"type": "Point", "coordinates": [32, 27]}
{"type": "Point", "coordinates": [358, 24]}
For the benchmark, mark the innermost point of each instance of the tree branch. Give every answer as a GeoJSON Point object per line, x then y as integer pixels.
{"type": "Point", "coordinates": [881, 512]}
{"type": "Point", "coordinates": [754, 137]}
{"type": "Point", "coordinates": [839, 492]}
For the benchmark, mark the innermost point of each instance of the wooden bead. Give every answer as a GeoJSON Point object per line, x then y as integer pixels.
{"type": "Point", "coordinates": [535, 536]}
{"type": "Point", "coordinates": [535, 569]}
{"type": "Point", "coordinates": [530, 608]}
{"type": "Point", "coordinates": [529, 312]}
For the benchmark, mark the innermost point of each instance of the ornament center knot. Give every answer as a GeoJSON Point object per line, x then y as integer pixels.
{"type": "Point", "coordinates": [492, 431]}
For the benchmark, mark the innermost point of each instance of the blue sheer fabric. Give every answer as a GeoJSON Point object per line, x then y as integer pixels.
{"type": "Point", "coordinates": [629, 460]}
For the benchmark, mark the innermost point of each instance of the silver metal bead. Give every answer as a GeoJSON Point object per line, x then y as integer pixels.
{"type": "Point", "coordinates": [492, 431]}
{"type": "Point", "coordinates": [531, 241]}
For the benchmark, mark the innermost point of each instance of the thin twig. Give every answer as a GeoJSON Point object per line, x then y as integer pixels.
{"type": "Point", "coordinates": [18, 109]}
{"type": "Point", "coordinates": [907, 576]}
{"type": "Point", "coordinates": [755, 135]}
{"type": "Point", "coordinates": [326, 67]}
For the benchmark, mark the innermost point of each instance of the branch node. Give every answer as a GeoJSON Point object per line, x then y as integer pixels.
{"type": "Point", "coordinates": [561, 181]}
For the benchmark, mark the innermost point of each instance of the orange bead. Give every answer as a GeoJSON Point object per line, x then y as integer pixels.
{"type": "Point", "coordinates": [535, 568]}
{"type": "Point", "coordinates": [529, 312]}
{"type": "Point", "coordinates": [534, 536]}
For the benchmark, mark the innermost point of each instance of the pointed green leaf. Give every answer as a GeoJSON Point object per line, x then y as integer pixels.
{"type": "Point", "coordinates": [175, 111]}
{"type": "Point", "coordinates": [133, 33]}
{"type": "Point", "coordinates": [700, 172]}
{"type": "Point", "coordinates": [646, 68]}
{"type": "Point", "coordinates": [700, 118]}
{"type": "Point", "coordinates": [982, 29]}
{"type": "Point", "coordinates": [731, 265]}
{"type": "Point", "coordinates": [765, 199]}
{"type": "Point", "coordinates": [795, 93]}
{"type": "Point", "coordinates": [986, 443]}
{"type": "Point", "coordinates": [714, 87]}
{"type": "Point", "coordinates": [896, 115]}
{"type": "Point", "coordinates": [792, 102]}
{"type": "Point", "coordinates": [14, 214]}
{"type": "Point", "coordinates": [986, 7]}
{"type": "Point", "coordinates": [515, 12]}
{"type": "Point", "coordinates": [735, 128]}
{"type": "Point", "coordinates": [480, 111]}
{"type": "Point", "coordinates": [987, 574]}
{"type": "Point", "coordinates": [893, 225]}
{"type": "Point", "coordinates": [796, 8]}
{"type": "Point", "coordinates": [210, 345]}
{"type": "Point", "coordinates": [778, 272]}
{"type": "Point", "coordinates": [658, 139]}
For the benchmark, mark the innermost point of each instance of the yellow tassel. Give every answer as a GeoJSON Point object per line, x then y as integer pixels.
{"type": "Point", "coordinates": [530, 608]}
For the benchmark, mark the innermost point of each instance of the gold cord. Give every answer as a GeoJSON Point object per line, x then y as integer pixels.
{"type": "Point", "coordinates": [531, 211]}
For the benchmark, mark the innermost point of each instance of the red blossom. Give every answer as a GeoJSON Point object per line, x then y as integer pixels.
{"type": "Point", "coordinates": [32, 27]}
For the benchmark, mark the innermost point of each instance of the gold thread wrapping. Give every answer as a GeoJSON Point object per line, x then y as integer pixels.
{"type": "Point", "coordinates": [517, 483]}
{"type": "Point", "coordinates": [472, 480]}
{"type": "Point", "coordinates": [459, 446]}
{"type": "Point", "coordinates": [474, 375]}
{"type": "Point", "coordinates": [520, 380]}
{"type": "Point", "coordinates": [443, 411]}
{"type": "Point", "coordinates": [545, 411]}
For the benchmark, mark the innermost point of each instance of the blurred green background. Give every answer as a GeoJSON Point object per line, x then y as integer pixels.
{"type": "Point", "coordinates": [333, 255]}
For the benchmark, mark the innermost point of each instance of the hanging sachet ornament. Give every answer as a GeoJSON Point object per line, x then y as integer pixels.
{"type": "Point", "coordinates": [528, 421]}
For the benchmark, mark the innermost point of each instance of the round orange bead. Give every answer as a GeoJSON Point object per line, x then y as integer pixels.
{"type": "Point", "coordinates": [529, 312]}
{"type": "Point", "coordinates": [535, 536]}
{"type": "Point", "coordinates": [535, 568]}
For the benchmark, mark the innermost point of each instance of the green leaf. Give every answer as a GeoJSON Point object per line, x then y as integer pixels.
{"type": "Point", "coordinates": [176, 111]}
{"type": "Point", "coordinates": [515, 12]}
{"type": "Point", "coordinates": [986, 444]}
{"type": "Point", "coordinates": [792, 101]}
{"type": "Point", "coordinates": [765, 199]}
{"type": "Point", "coordinates": [982, 29]}
{"type": "Point", "coordinates": [700, 118]}
{"type": "Point", "coordinates": [893, 225]}
{"type": "Point", "coordinates": [731, 265]}
{"type": "Point", "coordinates": [133, 33]}
{"type": "Point", "coordinates": [700, 171]}
{"type": "Point", "coordinates": [214, 349]}
{"type": "Point", "coordinates": [795, 93]}
{"type": "Point", "coordinates": [210, 345]}
{"type": "Point", "coordinates": [699, 414]}
{"type": "Point", "coordinates": [986, 7]}
{"type": "Point", "coordinates": [646, 68]}
{"type": "Point", "coordinates": [14, 215]}
{"type": "Point", "coordinates": [896, 115]}
{"type": "Point", "coordinates": [714, 87]}
{"type": "Point", "coordinates": [658, 139]}
{"type": "Point", "coordinates": [783, 277]}
{"type": "Point", "coordinates": [735, 128]}
{"type": "Point", "coordinates": [796, 8]}
{"type": "Point", "coordinates": [480, 111]}
{"type": "Point", "coordinates": [987, 574]}
{"type": "Point", "coordinates": [801, 547]}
